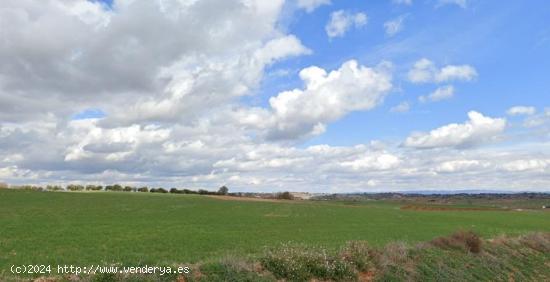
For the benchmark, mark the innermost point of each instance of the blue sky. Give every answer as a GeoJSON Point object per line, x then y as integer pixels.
{"type": "Point", "coordinates": [507, 43]}
{"type": "Point", "coordinates": [302, 95]}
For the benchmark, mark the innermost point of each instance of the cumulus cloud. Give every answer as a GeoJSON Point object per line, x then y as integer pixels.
{"type": "Point", "coordinates": [441, 93]}
{"type": "Point", "coordinates": [70, 47]}
{"type": "Point", "coordinates": [341, 21]}
{"type": "Point", "coordinates": [392, 27]}
{"type": "Point", "coordinates": [477, 129]}
{"type": "Point", "coordinates": [425, 71]}
{"type": "Point", "coordinates": [310, 5]}
{"type": "Point", "coordinates": [327, 96]}
{"type": "Point", "coordinates": [521, 110]}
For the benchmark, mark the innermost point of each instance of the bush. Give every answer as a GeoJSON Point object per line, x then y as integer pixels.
{"type": "Point", "coordinates": [537, 241]}
{"type": "Point", "coordinates": [297, 263]}
{"type": "Point", "coordinates": [464, 240]}
{"type": "Point", "coordinates": [393, 254]}
{"type": "Point", "coordinates": [359, 254]}
{"type": "Point", "coordinates": [285, 196]}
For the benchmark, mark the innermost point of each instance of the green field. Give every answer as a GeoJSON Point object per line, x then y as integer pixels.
{"type": "Point", "coordinates": [83, 228]}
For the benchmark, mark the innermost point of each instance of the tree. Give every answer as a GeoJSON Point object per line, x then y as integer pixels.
{"type": "Point", "coordinates": [223, 190]}
{"type": "Point", "coordinates": [54, 188]}
{"type": "Point", "coordinates": [143, 189]}
{"type": "Point", "coordinates": [285, 196]}
{"type": "Point", "coordinates": [73, 187]}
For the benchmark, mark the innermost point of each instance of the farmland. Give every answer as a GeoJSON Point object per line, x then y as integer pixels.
{"type": "Point", "coordinates": [83, 228]}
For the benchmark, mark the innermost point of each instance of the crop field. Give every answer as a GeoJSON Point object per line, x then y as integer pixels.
{"type": "Point", "coordinates": [139, 228]}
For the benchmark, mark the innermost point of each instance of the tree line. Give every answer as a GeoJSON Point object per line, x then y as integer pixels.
{"type": "Point", "coordinates": [119, 188]}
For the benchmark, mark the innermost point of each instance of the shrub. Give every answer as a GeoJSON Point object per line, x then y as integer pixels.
{"type": "Point", "coordinates": [393, 254]}
{"type": "Point", "coordinates": [359, 254]}
{"type": "Point", "coordinates": [296, 263]}
{"type": "Point", "coordinates": [464, 240]}
{"type": "Point", "coordinates": [285, 196]}
{"type": "Point", "coordinates": [537, 241]}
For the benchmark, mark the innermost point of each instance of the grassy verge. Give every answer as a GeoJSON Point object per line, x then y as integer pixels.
{"type": "Point", "coordinates": [463, 256]}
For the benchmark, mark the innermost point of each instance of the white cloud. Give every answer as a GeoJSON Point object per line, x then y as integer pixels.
{"type": "Point", "coordinates": [401, 107]}
{"type": "Point", "coordinates": [460, 166]}
{"type": "Point", "coordinates": [477, 129]}
{"type": "Point", "coordinates": [208, 51]}
{"type": "Point", "coordinates": [394, 26]}
{"type": "Point", "coordinates": [521, 110]}
{"type": "Point", "coordinates": [326, 98]}
{"type": "Point", "coordinates": [379, 161]}
{"type": "Point", "coordinates": [461, 3]}
{"type": "Point", "coordinates": [341, 21]}
{"type": "Point", "coordinates": [425, 71]}
{"type": "Point", "coordinates": [441, 93]}
{"type": "Point", "coordinates": [527, 165]}
{"type": "Point", "coordinates": [310, 5]}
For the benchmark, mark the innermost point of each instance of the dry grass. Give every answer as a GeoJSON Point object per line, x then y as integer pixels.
{"type": "Point", "coordinates": [465, 240]}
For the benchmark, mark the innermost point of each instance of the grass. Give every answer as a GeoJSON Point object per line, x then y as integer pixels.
{"type": "Point", "coordinates": [84, 228]}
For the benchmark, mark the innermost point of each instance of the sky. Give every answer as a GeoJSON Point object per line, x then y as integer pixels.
{"type": "Point", "coordinates": [303, 95]}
